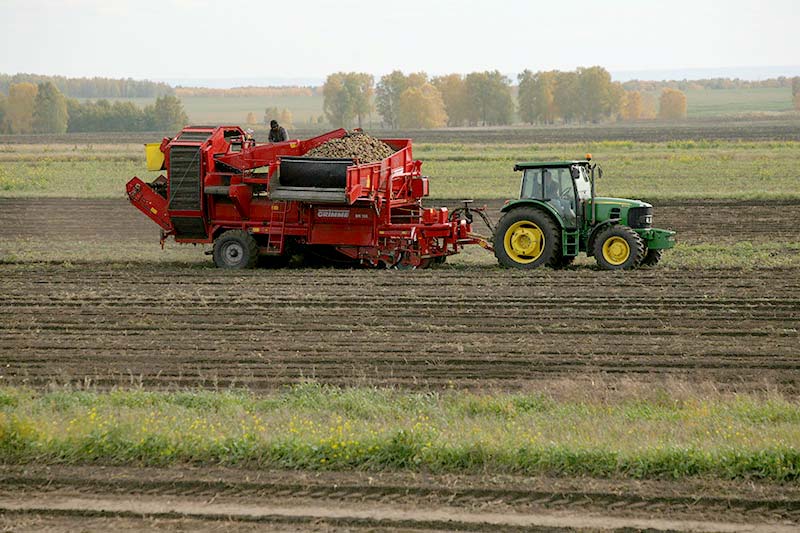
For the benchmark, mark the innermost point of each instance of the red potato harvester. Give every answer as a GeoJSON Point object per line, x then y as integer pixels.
{"type": "Point", "coordinates": [252, 200]}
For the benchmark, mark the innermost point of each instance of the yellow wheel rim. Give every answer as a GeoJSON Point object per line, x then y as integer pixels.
{"type": "Point", "coordinates": [616, 250]}
{"type": "Point", "coordinates": [524, 242]}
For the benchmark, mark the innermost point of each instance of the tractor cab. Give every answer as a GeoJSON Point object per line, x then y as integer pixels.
{"type": "Point", "coordinates": [565, 185]}
{"type": "Point", "coordinates": [558, 216]}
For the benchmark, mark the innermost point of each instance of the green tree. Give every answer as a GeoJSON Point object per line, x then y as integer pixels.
{"type": "Point", "coordinates": [598, 97]}
{"type": "Point", "coordinates": [536, 97]}
{"type": "Point", "coordinates": [359, 89]}
{"type": "Point", "coordinates": [387, 97]}
{"type": "Point", "coordinates": [167, 114]}
{"type": "Point", "coordinates": [672, 104]}
{"type": "Point", "coordinates": [19, 108]}
{"type": "Point", "coordinates": [489, 97]}
{"type": "Point", "coordinates": [565, 96]}
{"type": "Point", "coordinates": [49, 110]}
{"type": "Point", "coordinates": [422, 107]}
{"type": "Point", "coordinates": [796, 92]}
{"type": "Point", "coordinates": [454, 95]}
{"type": "Point", "coordinates": [347, 96]}
{"type": "Point", "coordinates": [337, 104]}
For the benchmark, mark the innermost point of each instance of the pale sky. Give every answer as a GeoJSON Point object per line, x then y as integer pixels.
{"type": "Point", "coordinates": [174, 39]}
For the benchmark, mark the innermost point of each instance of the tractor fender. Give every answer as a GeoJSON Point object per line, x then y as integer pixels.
{"type": "Point", "coordinates": [546, 207]}
{"type": "Point", "coordinates": [596, 230]}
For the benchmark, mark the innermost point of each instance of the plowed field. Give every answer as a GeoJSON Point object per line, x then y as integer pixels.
{"type": "Point", "coordinates": [119, 319]}
{"type": "Point", "coordinates": [66, 498]}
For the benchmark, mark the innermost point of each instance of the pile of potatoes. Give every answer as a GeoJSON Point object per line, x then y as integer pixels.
{"type": "Point", "coordinates": [356, 145]}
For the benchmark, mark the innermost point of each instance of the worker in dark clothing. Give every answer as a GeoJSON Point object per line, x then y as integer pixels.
{"type": "Point", "coordinates": [277, 133]}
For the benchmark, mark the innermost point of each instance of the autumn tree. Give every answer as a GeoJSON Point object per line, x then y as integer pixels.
{"type": "Point", "coordinates": [49, 110]}
{"type": "Point", "coordinates": [672, 104]}
{"type": "Point", "coordinates": [19, 108]}
{"type": "Point", "coordinates": [454, 95]}
{"type": "Point", "coordinates": [388, 91]}
{"type": "Point", "coordinates": [489, 98]}
{"type": "Point", "coordinates": [422, 107]}
{"type": "Point", "coordinates": [286, 118]}
{"type": "Point", "coordinates": [3, 104]}
{"type": "Point", "coordinates": [251, 119]}
{"type": "Point", "coordinates": [649, 106]}
{"type": "Point", "coordinates": [632, 106]}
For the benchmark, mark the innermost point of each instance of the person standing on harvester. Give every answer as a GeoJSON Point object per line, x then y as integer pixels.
{"type": "Point", "coordinates": [277, 133]}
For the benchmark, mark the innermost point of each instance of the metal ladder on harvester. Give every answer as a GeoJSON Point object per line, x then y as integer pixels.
{"type": "Point", "coordinates": [277, 223]}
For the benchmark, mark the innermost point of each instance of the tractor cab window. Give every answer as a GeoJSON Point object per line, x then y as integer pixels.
{"type": "Point", "coordinates": [553, 185]}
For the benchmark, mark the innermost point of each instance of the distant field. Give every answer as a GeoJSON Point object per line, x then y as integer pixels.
{"type": "Point", "coordinates": [234, 110]}
{"type": "Point", "coordinates": [713, 102]}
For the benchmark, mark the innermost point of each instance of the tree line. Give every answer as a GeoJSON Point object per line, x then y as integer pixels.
{"type": "Point", "coordinates": [780, 82]}
{"type": "Point", "coordinates": [91, 87]}
{"type": "Point", "coordinates": [42, 108]}
{"type": "Point", "coordinates": [486, 99]}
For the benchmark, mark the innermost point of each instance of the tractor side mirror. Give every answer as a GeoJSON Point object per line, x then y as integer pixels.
{"type": "Point", "coordinates": [574, 172]}
{"type": "Point", "coordinates": [599, 172]}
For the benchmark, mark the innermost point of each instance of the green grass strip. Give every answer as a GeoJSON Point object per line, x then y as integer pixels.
{"type": "Point", "coordinates": [320, 428]}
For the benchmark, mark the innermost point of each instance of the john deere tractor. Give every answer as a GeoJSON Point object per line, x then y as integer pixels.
{"type": "Point", "coordinates": [558, 216]}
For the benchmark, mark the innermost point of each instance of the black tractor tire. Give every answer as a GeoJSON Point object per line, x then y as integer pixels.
{"type": "Point", "coordinates": [235, 249]}
{"type": "Point", "coordinates": [618, 247]}
{"type": "Point", "coordinates": [527, 238]}
{"type": "Point", "coordinates": [652, 257]}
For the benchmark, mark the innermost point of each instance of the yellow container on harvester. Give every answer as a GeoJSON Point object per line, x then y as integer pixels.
{"type": "Point", "coordinates": [155, 157]}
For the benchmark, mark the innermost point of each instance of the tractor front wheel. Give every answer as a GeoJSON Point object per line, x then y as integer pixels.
{"type": "Point", "coordinates": [618, 248]}
{"type": "Point", "coordinates": [527, 238]}
{"type": "Point", "coordinates": [235, 249]}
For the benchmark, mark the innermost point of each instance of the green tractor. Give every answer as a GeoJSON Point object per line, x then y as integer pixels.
{"type": "Point", "coordinates": [557, 216]}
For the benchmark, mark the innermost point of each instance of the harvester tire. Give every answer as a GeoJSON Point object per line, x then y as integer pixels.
{"type": "Point", "coordinates": [527, 238]}
{"type": "Point", "coordinates": [652, 257]}
{"type": "Point", "coordinates": [619, 248]}
{"type": "Point", "coordinates": [235, 249]}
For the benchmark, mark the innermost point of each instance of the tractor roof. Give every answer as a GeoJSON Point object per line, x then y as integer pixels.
{"type": "Point", "coordinates": [550, 164]}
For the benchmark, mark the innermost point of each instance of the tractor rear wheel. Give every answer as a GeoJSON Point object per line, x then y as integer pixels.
{"type": "Point", "coordinates": [618, 248]}
{"type": "Point", "coordinates": [235, 249]}
{"type": "Point", "coordinates": [652, 258]}
{"type": "Point", "coordinates": [527, 238]}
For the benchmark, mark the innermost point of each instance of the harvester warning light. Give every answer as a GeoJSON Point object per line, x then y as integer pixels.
{"type": "Point", "coordinates": [589, 157]}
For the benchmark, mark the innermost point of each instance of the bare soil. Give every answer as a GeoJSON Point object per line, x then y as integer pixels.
{"type": "Point", "coordinates": [696, 221]}
{"type": "Point", "coordinates": [210, 499]}
{"type": "Point", "coordinates": [160, 326]}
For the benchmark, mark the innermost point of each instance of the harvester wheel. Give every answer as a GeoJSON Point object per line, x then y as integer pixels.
{"type": "Point", "coordinates": [652, 258]}
{"type": "Point", "coordinates": [618, 248]}
{"type": "Point", "coordinates": [235, 249]}
{"type": "Point", "coordinates": [527, 238]}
